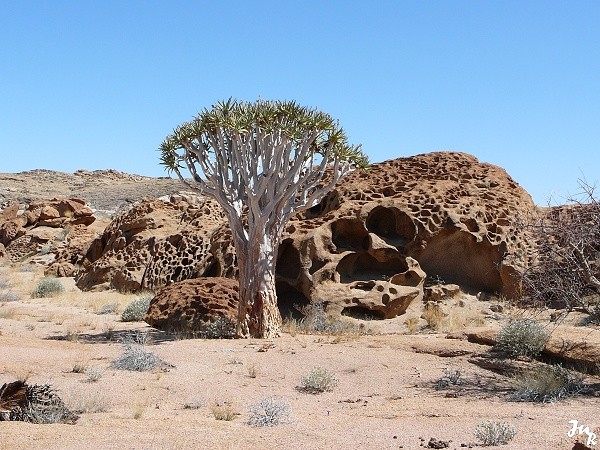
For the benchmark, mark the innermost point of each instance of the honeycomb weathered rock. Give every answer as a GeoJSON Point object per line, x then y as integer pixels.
{"type": "Point", "coordinates": [368, 248]}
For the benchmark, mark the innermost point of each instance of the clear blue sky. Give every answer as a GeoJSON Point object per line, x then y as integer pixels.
{"type": "Point", "coordinates": [99, 84]}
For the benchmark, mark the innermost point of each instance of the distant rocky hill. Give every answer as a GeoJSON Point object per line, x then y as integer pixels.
{"type": "Point", "coordinates": [104, 190]}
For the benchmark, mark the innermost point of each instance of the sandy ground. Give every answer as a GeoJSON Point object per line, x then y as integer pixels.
{"type": "Point", "coordinates": [385, 397]}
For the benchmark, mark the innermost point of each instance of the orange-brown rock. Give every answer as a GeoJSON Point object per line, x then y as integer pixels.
{"type": "Point", "coordinates": [191, 306]}
{"type": "Point", "coordinates": [10, 212]}
{"type": "Point", "coordinates": [11, 230]}
{"type": "Point", "coordinates": [572, 345]}
{"type": "Point", "coordinates": [368, 248]}
{"type": "Point", "coordinates": [153, 244]}
{"type": "Point", "coordinates": [441, 216]}
{"type": "Point", "coordinates": [24, 231]}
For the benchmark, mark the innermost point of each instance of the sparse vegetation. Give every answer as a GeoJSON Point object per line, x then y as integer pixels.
{"type": "Point", "coordinates": [523, 337]}
{"type": "Point", "coordinates": [136, 358]}
{"type": "Point", "coordinates": [79, 367]}
{"type": "Point", "coordinates": [89, 403]}
{"type": "Point", "coordinates": [316, 321]}
{"type": "Point", "coordinates": [137, 309]}
{"type": "Point", "coordinates": [220, 328]}
{"type": "Point", "coordinates": [8, 296]}
{"type": "Point", "coordinates": [8, 313]}
{"type": "Point", "coordinates": [451, 377]}
{"type": "Point", "coordinates": [48, 287]}
{"type": "Point", "coordinates": [565, 274]}
{"type": "Point", "coordinates": [138, 410]}
{"type": "Point", "coordinates": [94, 374]}
{"type": "Point", "coordinates": [318, 380]}
{"type": "Point", "coordinates": [547, 384]}
{"type": "Point", "coordinates": [109, 308]}
{"type": "Point", "coordinates": [268, 412]}
{"type": "Point", "coordinates": [253, 371]}
{"type": "Point", "coordinates": [495, 433]}
{"type": "Point", "coordinates": [412, 324]}
{"type": "Point", "coordinates": [193, 404]}
{"type": "Point", "coordinates": [224, 411]}
{"type": "Point", "coordinates": [433, 315]}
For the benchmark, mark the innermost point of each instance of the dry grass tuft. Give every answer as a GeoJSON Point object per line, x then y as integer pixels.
{"type": "Point", "coordinates": [223, 411]}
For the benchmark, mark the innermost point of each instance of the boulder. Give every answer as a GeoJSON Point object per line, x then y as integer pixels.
{"type": "Point", "coordinates": [367, 249]}
{"type": "Point", "coordinates": [437, 216]}
{"type": "Point", "coordinates": [152, 245]}
{"type": "Point", "coordinates": [203, 306]}
{"type": "Point", "coordinates": [9, 212]}
{"type": "Point", "coordinates": [439, 292]}
{"type": "Point", "coordinates": [571, 345]}
{"type": "Point", "coordinates": [11, 230]}
{"type": "Point", "coordinates": [41, 222]}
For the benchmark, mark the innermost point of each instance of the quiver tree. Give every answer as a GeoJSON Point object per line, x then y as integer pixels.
{"type": "Point", "coordinates": [262, 162]}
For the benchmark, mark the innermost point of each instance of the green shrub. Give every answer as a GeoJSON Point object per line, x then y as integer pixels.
{"type": "Point", "coordinates": [48, 287]}
{"type": "Point", "coordinates": [523, 337]}
{"type": "Point", "coordinates": [318, 380]}
{"type": "Point", "coordinates": [495, 433]}
{"type": "Point", "coordinates": [547, 384]}
{"type": "Point", "coordinates": [137, 309]}
{"type": "Point", "coordinates": [269, 412]}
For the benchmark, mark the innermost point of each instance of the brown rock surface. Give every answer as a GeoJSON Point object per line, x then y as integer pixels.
{"type": "Point", "coordinates": [25, 229]}
{"type": "Point", "coordinates": [444, 215]}
{"type": "Point", "coordinates": [367, 249]}
{"type": "Point", "coordinates": [572, 345]}
{"type": "Point", "coordinates": [190, 306]}
{"type": "Point", "coordinates": [153, 244]}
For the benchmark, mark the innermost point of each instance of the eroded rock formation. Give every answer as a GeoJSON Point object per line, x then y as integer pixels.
{"type": "Point", "coordinates": [155, 243]}
{"type": "Point", "coordinates": [373, 243]}
{"type": "Point", "coordinates": [24, 230]}
{"type": "Point", "coordinates": [204, 306]}
{"type": "Point", "coordinates": [369, 248]}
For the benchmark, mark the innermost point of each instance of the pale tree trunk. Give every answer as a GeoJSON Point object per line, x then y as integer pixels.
{"type": "Point", "coordinates": [258, 314]}
{"type": "Point", "coordinates": [264, 177]}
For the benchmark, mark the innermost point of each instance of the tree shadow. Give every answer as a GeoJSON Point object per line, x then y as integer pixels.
{"type": "Point", "coordinates": [153, 336]}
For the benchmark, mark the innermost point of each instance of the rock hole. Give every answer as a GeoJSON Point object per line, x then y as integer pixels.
{"type": "Point", "coordinates": [349, 234]}
{"type": "Point", "coordinates": [290, 300]}
{"type": "Point", "coordinates": [288, 260]}
{"type": "Point", "coordinates": [330, 202]}
{"type": "Point", "coordinates": [362, 313]}
{"type": "Point", "coordinates": [363, 266]}
{"type": "Point", "coordinates": [458, 258]}
{"type": "Point", "coordinates": [392, 225]}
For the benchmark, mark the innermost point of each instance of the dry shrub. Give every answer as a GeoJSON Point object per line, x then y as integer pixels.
{"type": "Point", "coordinates": [523, 337]}
{"type": "Point", "coordinates": [269, 412]}
{"type": "Point", "coordinates": [412, 324]}
{"type": "Point", "coordinates": [546, 384]}
{"type": "Point", "coordinates": [495, 433]}
{"type": "Point", "coordinates": [136, 358]}
{"type": "Point", "coordinates": [434, 316]}
{"type": "Point", "coordinates": [565, 273]}
{"type": "Point", "coordinates": [223, 411]}
{"type": "Point", "coordinates": [7, 313]}
{"type": "Point", "coordinates": [317, 321]}
{"type": "Point", "coordinates": [48, 287]}
{"type": "Point", "coordinates": [89, 403]}
{"type": "Point", "coordinates": [137, 309]}
{"type": "Point", "coordinates": [318, 380]}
